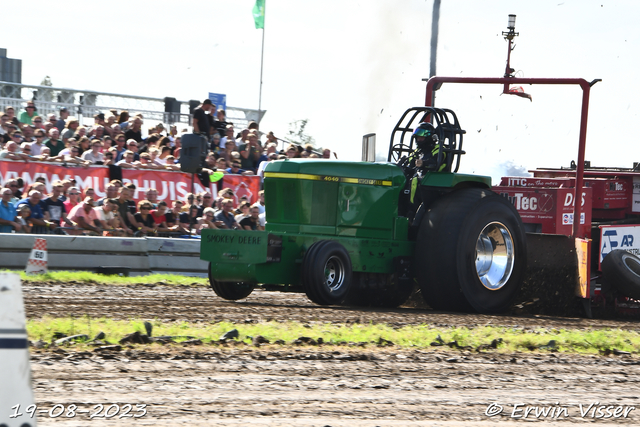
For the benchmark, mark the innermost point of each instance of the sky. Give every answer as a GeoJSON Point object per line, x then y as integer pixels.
{"type": "Point", "coordinates": [353, 67]}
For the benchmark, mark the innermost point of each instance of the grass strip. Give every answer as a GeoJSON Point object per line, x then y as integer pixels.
{"type": "Point", "coordinates": [412, 336]}
{"type": "Point", "coordinates": [102, 279]}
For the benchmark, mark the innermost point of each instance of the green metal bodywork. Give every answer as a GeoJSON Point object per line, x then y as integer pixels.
{"type": "Point", "coordinates": [353, 203]}
{"type": "Point", "coordinates": [451, 180]}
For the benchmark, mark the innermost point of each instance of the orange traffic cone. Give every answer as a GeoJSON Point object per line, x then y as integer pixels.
{"type": "Point", "coordinates": [37, 263]}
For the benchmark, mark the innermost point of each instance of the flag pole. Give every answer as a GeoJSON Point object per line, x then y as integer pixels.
{"type": "Point", "coordinates": [261, 63]}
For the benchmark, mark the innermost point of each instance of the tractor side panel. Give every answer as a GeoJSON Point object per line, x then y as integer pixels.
{"type": "Point", "coordinates": [367, 211]}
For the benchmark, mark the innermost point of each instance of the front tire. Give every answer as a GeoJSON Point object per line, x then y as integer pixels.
{"type": "Point", "coordinates": [326, 270]}
{"type": "Point", "coordinates": [471, 252]}
{"type": "Point", "coordinates": [231, 291]}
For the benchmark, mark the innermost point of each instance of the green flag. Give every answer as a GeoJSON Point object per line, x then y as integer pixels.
{"type": "Point", "coordinates": [258, 13]}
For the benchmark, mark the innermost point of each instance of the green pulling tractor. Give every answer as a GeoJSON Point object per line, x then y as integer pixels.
{"type": "Point", "coordinates": [367, 233]}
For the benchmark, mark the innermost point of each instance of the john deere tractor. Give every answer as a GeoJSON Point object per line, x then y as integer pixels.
{"type": "Point", "coordinates": [366, 233]}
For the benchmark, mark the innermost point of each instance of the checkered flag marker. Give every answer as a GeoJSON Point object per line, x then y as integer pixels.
{"type": "Point", "coordinates": [37, 263]}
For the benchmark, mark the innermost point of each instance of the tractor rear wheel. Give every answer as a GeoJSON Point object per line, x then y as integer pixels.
{"type": "Point", "coordinates": [621, 270]}
{"type": "Point", "coordinates": [471, 252]}
{"type": "Point", "coordinates": [231, 291]}
{"type": "Point", "coordinates": [326, 272]}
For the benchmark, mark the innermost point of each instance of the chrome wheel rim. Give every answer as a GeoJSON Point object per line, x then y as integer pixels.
{"type": "Point", "coordinates": [494, 256]}
{"type": "Point", "coordinates": [334, 273]}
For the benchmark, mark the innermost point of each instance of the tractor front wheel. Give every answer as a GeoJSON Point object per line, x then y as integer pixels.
{"type": "Point", "coordinates": [471, 252]}
{"type": "Point", "coordinates": [326, 272]}
{"type": "Point", "coordinates": [231, 291]}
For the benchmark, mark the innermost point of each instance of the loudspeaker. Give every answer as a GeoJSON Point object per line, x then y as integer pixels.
{"type": "Point", "coordinates": [193, 153]}
{"type": "Point", "coordinates": [171, 105]}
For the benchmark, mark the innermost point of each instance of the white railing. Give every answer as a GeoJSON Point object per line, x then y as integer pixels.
{"type": "Point", "coordinates": [84, 104]}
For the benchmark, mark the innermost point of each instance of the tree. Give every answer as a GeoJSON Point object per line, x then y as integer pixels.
{"type": "Point", "coordinates": [45, 94]}
{"type": "Point", "coordinates": [297, 135]}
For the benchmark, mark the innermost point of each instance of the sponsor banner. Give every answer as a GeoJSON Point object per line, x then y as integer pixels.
{"type": "Point", "coordinates": [96, 177]}
{"type": "Point", "coordinates": [567, 218]}
{"type": "Point", "coordinates": [171, 185]}
{"type": "Point", "coordinates": [242, 186]}
{"type": "Point", "coordinates": [625, 237]}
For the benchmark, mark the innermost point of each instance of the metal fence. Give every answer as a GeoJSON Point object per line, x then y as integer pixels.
{"type": "Point", "coordinates": [139, 256]}
{"type": "Point", "coordinates": [84, 104]}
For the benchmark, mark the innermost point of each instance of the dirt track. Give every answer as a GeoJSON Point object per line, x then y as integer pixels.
{"type": "Point", "coordinates": [311, 386]}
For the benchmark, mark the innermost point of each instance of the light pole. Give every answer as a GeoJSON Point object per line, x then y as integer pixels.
{"type": "Point", "coordinates": [509, 36]}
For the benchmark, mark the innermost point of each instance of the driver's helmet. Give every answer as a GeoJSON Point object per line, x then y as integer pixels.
{"type": "Point", "coordinates": [425, 135]}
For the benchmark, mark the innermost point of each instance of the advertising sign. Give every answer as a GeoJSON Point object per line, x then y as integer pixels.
{"type": "Point", "coordinates": [219, 100]}
{"type": "Point", "coordinates": [171, 185]}
{"type": "Point", "coordinates": [625, 237]}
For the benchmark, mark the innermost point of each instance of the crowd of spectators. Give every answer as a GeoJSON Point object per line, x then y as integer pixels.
{"type": "Point", "coordinates": [117, 139]}
{"type": "Point", "coordinates": [67, 210]}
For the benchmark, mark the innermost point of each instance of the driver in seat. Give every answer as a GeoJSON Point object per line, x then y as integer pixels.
{"type": "Point", "coordinates": [427, 141]}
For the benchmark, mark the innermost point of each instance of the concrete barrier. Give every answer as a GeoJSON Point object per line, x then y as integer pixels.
{"type": "Point", "coordinates": [140, 255]}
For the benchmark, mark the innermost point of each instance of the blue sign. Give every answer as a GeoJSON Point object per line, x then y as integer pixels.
{"type": "Point", "coordinates": [219, 100]}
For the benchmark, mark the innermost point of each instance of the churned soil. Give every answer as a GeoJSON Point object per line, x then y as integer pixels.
{"type": "Point", "coordinates": [200, 304]}
{"type": "Point", "coordinates": [240, 385]}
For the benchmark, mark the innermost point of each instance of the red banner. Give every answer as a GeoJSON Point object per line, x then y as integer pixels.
{"type": "Point", "coordinates": [243, 186]}
{"type": "Point", "coordinates": [96, 177]}
{"type": "Point", "coordinates": [171, 185]}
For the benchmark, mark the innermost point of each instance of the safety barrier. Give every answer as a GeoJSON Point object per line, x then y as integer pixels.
{"type": "Point", "coordinates": [136, 255]}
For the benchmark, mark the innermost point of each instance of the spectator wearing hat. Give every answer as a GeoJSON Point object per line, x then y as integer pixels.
{"type": "Point", "coordinates": [201, 122]}
{"type": "Point", "coordinates": [28, 114]}
{"type": "Point", "coordinates": [8, 213]}
{"type": "Point", "coordinates": [85, 216]}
